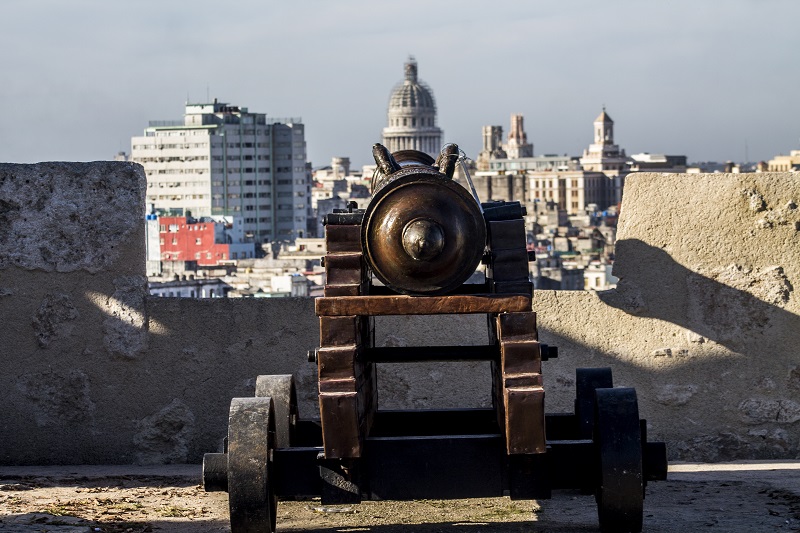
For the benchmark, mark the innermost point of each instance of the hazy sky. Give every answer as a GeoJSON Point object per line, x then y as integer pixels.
{"type": "Point", "coordinates": [704, 78]}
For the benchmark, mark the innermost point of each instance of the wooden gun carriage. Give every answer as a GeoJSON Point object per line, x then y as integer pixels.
{"type": "Point", "coordinates": [411, 252]}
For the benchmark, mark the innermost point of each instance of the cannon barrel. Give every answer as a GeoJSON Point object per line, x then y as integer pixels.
{"type": "Point", "coordinates": [422, 233]}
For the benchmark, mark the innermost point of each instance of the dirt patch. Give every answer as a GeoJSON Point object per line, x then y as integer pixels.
{"type": "Point", "coordinates": [751, 501]}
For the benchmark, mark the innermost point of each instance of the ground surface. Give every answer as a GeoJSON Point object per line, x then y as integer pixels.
{"type": "Point", "coordinates": [752, 497]}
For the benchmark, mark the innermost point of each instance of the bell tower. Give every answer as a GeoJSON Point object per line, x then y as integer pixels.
{"type": "Point", "coordinates": [603, 129]}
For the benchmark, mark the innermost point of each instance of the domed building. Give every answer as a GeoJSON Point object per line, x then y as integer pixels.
{"type": "Point", "coordinates": [412, 116]}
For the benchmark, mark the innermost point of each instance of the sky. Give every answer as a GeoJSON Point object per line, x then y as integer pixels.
{"type": "Point", "coordinates": [714, 80]}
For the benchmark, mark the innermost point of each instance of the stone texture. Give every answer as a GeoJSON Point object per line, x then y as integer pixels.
{"type": "Point", "coordinates": [794, 378]}
{"type": "Point", "coordinates": [164, 437]}
{"type": "Point", "coordinates": [54, 318]}
{"type": "Point", "coordinates": [126, 324]}
{"type": "Point", "coordinates": [760, 411]}
{"type": "Point", "coordinates": [705, 312]}
{"type": "Point", "coordinates": [675, 394]}
{"type": "Point", "coordinates": [59, 398]}
{"type": "Point", "coordinates": [68, 216]}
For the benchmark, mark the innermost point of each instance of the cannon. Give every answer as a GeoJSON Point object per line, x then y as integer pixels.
{"type": "Point", "coordinates": [414, 250]}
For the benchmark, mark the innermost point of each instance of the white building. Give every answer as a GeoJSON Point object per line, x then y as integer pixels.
{"type": "Point", "coordinates": [222, 160]}
{"type": "Point", "coordinates": [411, 118]}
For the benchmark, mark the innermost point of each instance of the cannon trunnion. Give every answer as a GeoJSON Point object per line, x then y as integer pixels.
{"type": "Point", "coordinates": [411, 252]}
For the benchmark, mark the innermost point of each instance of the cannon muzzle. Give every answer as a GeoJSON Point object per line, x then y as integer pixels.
{"type": "Point", "coordinates": [422, 233]}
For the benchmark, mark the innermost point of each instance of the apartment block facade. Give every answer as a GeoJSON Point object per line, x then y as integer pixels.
{"type": "Point", "coordinates": [222, 160]}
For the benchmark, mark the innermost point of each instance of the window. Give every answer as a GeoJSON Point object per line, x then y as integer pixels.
{"type": "Point", "coordinates": [198, 241]}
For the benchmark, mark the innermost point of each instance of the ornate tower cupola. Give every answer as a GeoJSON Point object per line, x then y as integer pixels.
{"type": "Point", "coordinates": [603, 155]}
{"type": "Point", "coordinates": [603, 129]}
{"type": "Point", "coordinates": [411, 70]}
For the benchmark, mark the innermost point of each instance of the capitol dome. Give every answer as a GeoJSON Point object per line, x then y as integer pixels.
{"type": "Point", "coordinates": [411, 118]}
{"type": "Point", "coordinates": [411, 92]}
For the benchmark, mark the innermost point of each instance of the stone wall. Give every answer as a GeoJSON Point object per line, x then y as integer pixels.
{"type": "Point", "coordinates": [704, 324]}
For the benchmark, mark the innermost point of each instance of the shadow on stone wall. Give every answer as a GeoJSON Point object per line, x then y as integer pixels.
{"type": "Point", "coordinates": [731, 306]}
{"type": "Point", "coordinates": [722, 384]}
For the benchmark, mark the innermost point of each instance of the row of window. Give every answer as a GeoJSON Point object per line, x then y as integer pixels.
{"type": "Point", "coordinates": [219, 202]}
{"type": "Point", "coordinates": [237, 183]}
{"type": "Point", "coordinates": [247, 131]}
{"type": "Point", "coordinates": [173, 228]}
{"type": "Point", "coordinates": [235, 196]}
{"type": "Point", "coordinates": [174, 184]}
{"type": "Point", "coordinates": [166, 256]}
{"type": "Point", "coordinates": [246, 157]}
{"type": "Point", "coordinates": [423, 121]}
{"type": "Point", "coordinates": [171, 159]}
{"type": "Point", "coordinates": [162, 146]}
{"type": "Point", "coordinates": [151, 172]}
{"type": "Point", "coordinates": [177, 197]}
{"type": "Point", "coordinates": [197, 241]}
{"type": "Point", "coordinates": [544, 184]}
{"type": "Point", "coordinates": [248, 170]}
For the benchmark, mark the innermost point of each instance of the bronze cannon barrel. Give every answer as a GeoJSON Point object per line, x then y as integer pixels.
{"type": "Point", "coordinates": [422, 232]}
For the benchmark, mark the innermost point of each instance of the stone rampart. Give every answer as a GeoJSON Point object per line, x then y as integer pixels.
{"type": "Point", "coordinates": [704, 324]}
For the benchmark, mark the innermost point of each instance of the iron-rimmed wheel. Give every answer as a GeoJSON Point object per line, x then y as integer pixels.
{"type": "Point", "coordinates": [617, 437]}
{"type": "Point", "coordinates": [251, 439]}
{"type": "Point", "coordinates": [280, 388]}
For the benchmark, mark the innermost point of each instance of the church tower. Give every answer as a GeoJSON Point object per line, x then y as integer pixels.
{"type": "Point", "coordinates": [603, 129]}
{"type": "Point", "coordinates": [603, 155]}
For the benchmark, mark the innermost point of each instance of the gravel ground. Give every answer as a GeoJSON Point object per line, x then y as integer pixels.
{"type": "Point", "coordinates": [741, 497]}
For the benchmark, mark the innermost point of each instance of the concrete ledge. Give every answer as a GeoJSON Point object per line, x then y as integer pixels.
{"type": "Point", "coordinates": [704, 324]}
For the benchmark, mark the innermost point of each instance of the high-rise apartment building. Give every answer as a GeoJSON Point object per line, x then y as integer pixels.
{"type": "Point", "coordinates": [222, 159]}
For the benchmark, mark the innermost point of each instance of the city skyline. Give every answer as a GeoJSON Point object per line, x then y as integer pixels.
{"type": "Point", "coordinates": [709, 80]}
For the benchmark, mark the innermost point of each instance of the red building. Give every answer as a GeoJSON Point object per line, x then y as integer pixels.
{"type": "Point", "coordinates": [205, 241]}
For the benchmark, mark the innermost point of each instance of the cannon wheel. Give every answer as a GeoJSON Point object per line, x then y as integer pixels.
{"type": "Point", "coordinates": [617, 437]}
{"type": "Point", "coordinates": [284, 400]}
{"type": "Point", "coordinates": [251, 439]}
